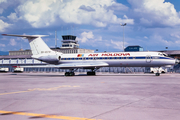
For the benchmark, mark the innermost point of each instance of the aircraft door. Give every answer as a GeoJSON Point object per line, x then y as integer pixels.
{"type": "Point", "coordinates": [148, 58]}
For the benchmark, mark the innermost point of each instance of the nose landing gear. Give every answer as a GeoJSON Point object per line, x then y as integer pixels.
{"type": "Point", "coordinates": [158, 72]}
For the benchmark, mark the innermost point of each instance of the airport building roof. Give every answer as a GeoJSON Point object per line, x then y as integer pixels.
{"type": "Point", "coordinates": [15, 56]}
{"type": "Point", "coordinates": [172, 52]}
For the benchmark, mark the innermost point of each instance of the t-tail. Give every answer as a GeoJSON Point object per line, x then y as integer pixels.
{"type": "Point", "coordinates": [39, 49]}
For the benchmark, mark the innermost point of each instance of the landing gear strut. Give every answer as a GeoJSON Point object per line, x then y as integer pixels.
{"type": "Point", "coordinates": [92, 72]}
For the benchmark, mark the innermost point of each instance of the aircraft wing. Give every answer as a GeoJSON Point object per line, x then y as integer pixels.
{"type": "Point", "coordinates": [71, 65]}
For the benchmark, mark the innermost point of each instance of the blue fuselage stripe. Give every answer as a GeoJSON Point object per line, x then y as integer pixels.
{"type": "Point", "coordinates": [115, 58]}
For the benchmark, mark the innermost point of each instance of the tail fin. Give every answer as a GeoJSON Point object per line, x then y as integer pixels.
{"type": "Point", "coordinates": [38, 46]}
{"type": "Point", "coordinates": [40, 50]}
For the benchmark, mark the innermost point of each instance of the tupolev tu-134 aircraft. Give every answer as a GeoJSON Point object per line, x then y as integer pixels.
{"type": "Point", "coordinates": [93, 61]}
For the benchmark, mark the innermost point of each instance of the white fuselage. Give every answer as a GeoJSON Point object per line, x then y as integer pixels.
{"type": "Point", "coordinates": [120, 59]}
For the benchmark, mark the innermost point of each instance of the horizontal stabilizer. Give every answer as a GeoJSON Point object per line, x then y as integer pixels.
{"type": "Point", "coordinates": [26, 36]}
{"type": "Point", "coordinates": [38, 46]}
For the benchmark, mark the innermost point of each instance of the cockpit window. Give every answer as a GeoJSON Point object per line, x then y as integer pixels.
{"type": "Point", "coordinates": [163, 54]}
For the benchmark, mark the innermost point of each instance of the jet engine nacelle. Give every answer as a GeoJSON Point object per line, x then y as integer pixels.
{"type": "Point", "coordinates": [52, 59]}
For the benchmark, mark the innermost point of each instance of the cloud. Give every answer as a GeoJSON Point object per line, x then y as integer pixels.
{"type": "Point", "coordinates": [177, 42]}
{"type": "Point", "coordinates": [160, 42]}
{"type": "Point", "coordinates": [2, 45]}
{"type": "Point", "coordinates": [86, 36]}
{"type": "Point", "coordinates": [39, 15]}
{"type": "Point", "coordinates": [12, 42]}
{"type": "Point", "coordinates": [3, 25]}
{"type": "Point", "coordinates": [145, 37]}
{"type": "Point", "coordinates": [53, 12]}
{"type": "Point", "coordinates": [90, 41]}
{"type": "Point", "coordinates": [13, 17]}
{"type": "Point", "coordinates": [155, 12]}
{"type": "Point", "coordinates": [176, 35]}
{"type": "Point", "coordinates": [2, 18]}
{"type": "Point", "coordinates": [95, 41]}
{"type": "Point", "coordinates": [86, 8]}
{"type": "Point", "coordinates": [118, 44]}
{"type": "Point", "coordinates": [118, 7]}
{"type": "Point", "coordinates": [3, 1]}
{"type": "Point", "coordinates": [1, 9]}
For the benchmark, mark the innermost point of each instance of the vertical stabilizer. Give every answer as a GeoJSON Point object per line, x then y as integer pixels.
{"type": "Point", "coordinates": [40, 50]}
{"type": "Point", "coordinates": [38, 46]}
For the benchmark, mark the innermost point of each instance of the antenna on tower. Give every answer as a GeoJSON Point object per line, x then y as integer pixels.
{"type": "Point", "coordinates": [55, 39]}
{"type": "Point", "coordinates": [73, 29]}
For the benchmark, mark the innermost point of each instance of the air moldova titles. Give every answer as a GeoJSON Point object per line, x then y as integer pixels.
{"type": "Point", "coordinates": [110, 54]}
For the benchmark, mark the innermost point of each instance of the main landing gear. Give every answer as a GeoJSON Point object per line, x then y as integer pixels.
{"type": "Point", "coordinates": [69, 74]}
{"type": "Point", "coordinates": [92, 72]}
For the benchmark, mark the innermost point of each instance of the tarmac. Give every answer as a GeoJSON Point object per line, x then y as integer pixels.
{"type": "Point", "coordinates": [106, 96]}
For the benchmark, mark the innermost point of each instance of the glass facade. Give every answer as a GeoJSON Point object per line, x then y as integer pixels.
{"type": "Point", "coordinates": [133, 48]}
{"type": "Point", "coordinates": [68, 37]}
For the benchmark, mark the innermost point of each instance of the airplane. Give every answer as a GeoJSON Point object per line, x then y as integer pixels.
{"type": "Point", "coordinates": [93, 61]}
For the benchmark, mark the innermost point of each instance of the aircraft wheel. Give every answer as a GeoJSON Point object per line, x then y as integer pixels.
{"type": "Point", "coordinates": [157, 74]}
{"type": "Point", "coordinates": [66, 74]}
{"type": "Point", "coordinates": [69, 73]}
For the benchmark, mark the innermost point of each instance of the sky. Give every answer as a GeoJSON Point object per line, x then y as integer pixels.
{"type": "Point", "coordinates": [152, 24]}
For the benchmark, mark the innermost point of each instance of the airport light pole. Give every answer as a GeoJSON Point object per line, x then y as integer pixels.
{"type": "Point", "coordinates": [123, 34]}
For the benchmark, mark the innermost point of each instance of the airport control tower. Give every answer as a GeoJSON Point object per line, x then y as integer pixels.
{"type": "Point", "coordinates": [69, 41]}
